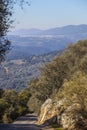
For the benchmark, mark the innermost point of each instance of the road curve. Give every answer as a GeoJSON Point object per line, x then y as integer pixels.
{"type": "Point", "coordinates": [23, 123]}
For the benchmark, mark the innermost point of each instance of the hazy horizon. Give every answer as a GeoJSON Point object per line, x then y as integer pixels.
{"type": "Point", "coordinates": [45, 14]}
{"type": "Point", "coordinates": [17, 29]}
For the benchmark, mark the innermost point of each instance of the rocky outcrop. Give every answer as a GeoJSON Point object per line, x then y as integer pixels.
{"type": "Point", "coordinates": [50, 110]}
{"type": "Point", "coordinates": [70, 118]}
{"type": "Point", "coordinates": [45, 111]}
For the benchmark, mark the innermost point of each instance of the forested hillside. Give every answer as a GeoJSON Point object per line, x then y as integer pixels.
{"type": "Point", "coordinates": [62, 71]}
{"type": "Point", "coordinates": [15, 74]}
{"type": "Point", "coordinates": [63, 79]}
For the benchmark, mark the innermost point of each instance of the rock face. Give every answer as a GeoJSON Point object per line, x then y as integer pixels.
{"type": "Point", "coordinates": [70, 118]}
{"type": "Point", "coordinates": [45, 111]}
{"type": "Point", "coordinates": [49, 111]}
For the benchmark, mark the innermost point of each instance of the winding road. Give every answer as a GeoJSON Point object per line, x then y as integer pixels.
{"type": "Point", "coordinates": [27, 122]}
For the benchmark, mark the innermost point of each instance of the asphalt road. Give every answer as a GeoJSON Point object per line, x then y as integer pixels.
{"type": "Point", "coordinates": [27, 122]}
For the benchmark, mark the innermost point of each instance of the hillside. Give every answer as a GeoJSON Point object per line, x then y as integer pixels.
{"type": "Point", "coordinates": [60, 93]}
{"type": "Point", "coordinates": [49, 94]}
{"type": "Point", "coordinates": [16, 73]}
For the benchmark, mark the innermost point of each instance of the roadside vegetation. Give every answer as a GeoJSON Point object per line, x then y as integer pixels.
{"type": "Point", "coordinates": [13, 104]}
{"type": "Point", "coordinates": [64, 77]}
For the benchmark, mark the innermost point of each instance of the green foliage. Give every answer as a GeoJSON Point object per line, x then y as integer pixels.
{"type": "Point", "coordinates": [5, 22]}
{"type": "Point", "coordinates": [13, 104]}
{"type": "Point", "coordinates": [83, 64]}
{"type": "Point", "coordinates": [1, 92]}
{"type": "Point", "coordinates": [34, 105]}
{"type": "Point", "coordinates": [6, 10]}
{"type": "Point", "coordinates": [64, 77]}
{"type": "Point", "coordinates": [58, 128]}
{"type": "Point", "coordinates": [3, 106]}
{"type": "Point", "coordinates": [21, 110]}
{"type": "Point", "coordinates": [75, 90]}
{"type": "Point", "coordinates": [10, 96]}
{"type": "Point", "coordinates": [63, 68]}
{"type": "Point", "coordinates": [23, 97]}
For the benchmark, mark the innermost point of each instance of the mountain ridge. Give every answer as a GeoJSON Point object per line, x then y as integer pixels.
{"type": "Point", "coordinates": [52, 31]}
{"type": "Point", "coordinates": [39, 42]}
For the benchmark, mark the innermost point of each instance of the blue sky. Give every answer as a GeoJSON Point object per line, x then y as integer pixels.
{"type": "Point", "coordinates": [44, 14]}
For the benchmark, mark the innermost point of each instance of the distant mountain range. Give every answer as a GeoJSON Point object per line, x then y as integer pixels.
{"type": "Point", "coordinates": [26, 42]}
{"type": "Point", "coordinates": [65, 30]}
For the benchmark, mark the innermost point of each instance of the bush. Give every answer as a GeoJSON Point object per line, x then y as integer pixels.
{"type": "Point", "coordinates": [58, 73]}
{"type": "Point", "coordinates": [75, 90]}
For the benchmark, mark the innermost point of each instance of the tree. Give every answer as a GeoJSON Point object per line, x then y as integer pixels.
{"type": "Point", "coordinates": [54, 74]}
{"type": "Point", "coordinates": [5, 13]}
{"type": "Point", "coordinates": [6, 10]}
{"type": "Point", "coordinates": [23, 98]}
{"type": "Point", "coordinates": [3, 106]}
{"type": "Point", "coordinates": [75, 90]}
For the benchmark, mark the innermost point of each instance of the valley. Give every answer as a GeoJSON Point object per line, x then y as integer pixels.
{"type": "Point", "coordinates": [15, 74]}
{"type": "Point", "coordinates": [27, 42]}
{"type": "Point", "coordinates": [31, 49]}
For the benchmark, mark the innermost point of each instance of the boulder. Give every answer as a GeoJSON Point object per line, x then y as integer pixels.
{"type": "Point", "coordinates": [69, 117]}
{"type": "Point", "coordinates": [49, 111]}
{"type": "Point", "coordinates": [45, 111]}
{"type": "Point", "coordinates": [72, 119]}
